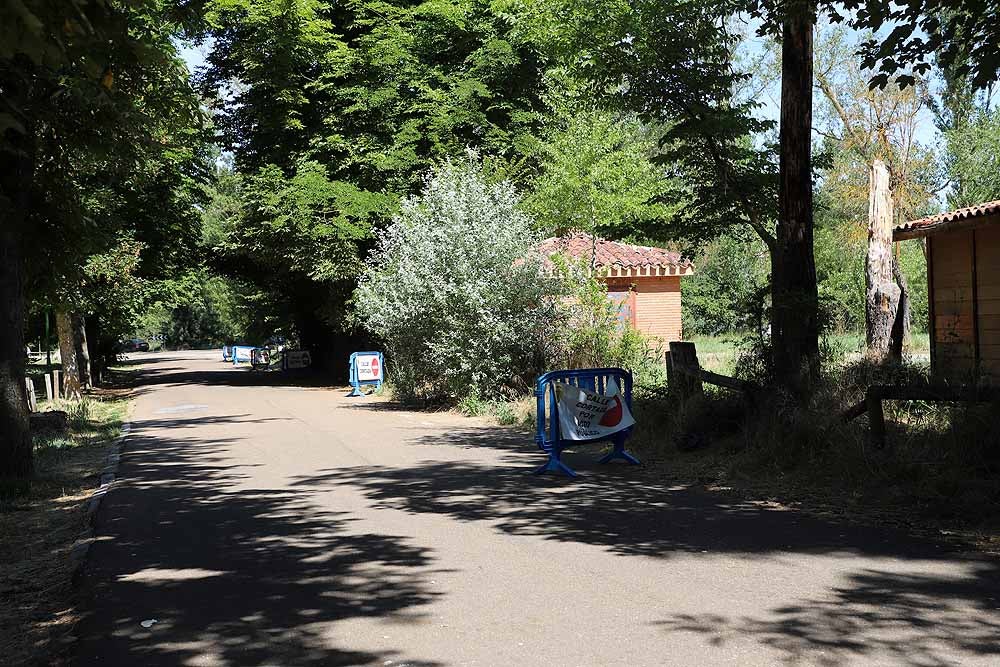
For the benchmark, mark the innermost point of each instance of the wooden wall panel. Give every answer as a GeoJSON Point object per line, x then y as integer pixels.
{"type": "Point", "coordinates": [988, 294]}
{"type": "Point", "coordinates": [952, 299]}
{"type": "Point", "coordinates": [952, 292]}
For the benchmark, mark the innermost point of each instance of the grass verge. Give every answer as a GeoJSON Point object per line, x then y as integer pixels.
{"type": "Point", "coordinates": [40, 523]}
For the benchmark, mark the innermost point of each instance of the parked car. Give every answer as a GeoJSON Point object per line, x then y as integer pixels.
{"type": "Point", "coordinates": [135, 345]}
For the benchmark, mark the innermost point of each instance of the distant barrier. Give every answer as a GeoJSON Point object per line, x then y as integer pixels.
{"type": "Point", "coordinates": [227, 353]}
{"type": "Point", "coordinates": [549, 435]}
{"type": "Point", "coordinates": [241, 353]}
{"type": "Point", "coordinates": [260, 358]}
{"type": "Point", "coordinates": [295, 359]}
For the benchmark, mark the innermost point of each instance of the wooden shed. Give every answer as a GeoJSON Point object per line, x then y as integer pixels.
{"type": "Point", "coordinates": [644, 281]}
{"type": "Point", "coordinates": [963, 274]}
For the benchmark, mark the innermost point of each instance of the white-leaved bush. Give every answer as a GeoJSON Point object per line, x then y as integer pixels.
{"type": "Point", "coordinates": [455, 290]}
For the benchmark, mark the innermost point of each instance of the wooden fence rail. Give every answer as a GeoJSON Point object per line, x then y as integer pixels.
{"type": "Point", "coordinates": [685, 373]}
{"type": "Point", "coordinates": [876, 394]}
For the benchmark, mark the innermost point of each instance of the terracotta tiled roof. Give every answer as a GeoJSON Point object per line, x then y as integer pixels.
{"type": "Point", "coordinates": [616, 258]}
{"type": "Point", "coordinates": [941, 221]}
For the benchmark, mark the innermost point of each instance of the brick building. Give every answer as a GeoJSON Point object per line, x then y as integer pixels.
{"type": "Point", "coordinates": [645, 281]}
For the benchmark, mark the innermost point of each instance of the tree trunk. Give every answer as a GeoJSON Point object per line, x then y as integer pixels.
{"type": "Point", "coordinates": [67, 352]}
{"type": "Point", "coordinates": [95, 350]}
{"type": "Point", "coordinates": [16, 458]}
{"type": "Point", "coordinates": [882, 294]}
{"type": "Point", "coordinates": [901, 323]}
{"type": "Point", "coordinates": [79, 324]}
{"type": "Point", "coordinates": [794, 297]}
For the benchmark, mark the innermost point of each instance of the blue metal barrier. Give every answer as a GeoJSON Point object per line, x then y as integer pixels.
{"type": "Point", "coordinates": [366, 368]}
{"type": "Point", "coordinates": [241, 353]}
{"type": "Point", "coordinates": [227, 353]}
{"type": "Point", "coordinates": [547, 436]}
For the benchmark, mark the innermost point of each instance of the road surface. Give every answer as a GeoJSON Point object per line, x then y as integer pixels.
{"type": "Point", "coordinates": [264, 521]}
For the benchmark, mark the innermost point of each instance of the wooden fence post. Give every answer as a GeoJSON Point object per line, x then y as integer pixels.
{"type": "Point", "coordinates": [48, 387]}
{"type": "Point", "coordinates": [876, 416]}
{"type": "Point", "coordinates": [29, 387]}
{"type": "Point", "coordinates": [56, 387]}
{"type": "Point", "coordinates": [683, 369]}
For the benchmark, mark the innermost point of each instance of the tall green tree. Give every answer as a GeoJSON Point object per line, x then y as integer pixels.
{"type": "Point", "coordinates": [84, 89]}
{"type": "Point", "coordinates": [334, 111]}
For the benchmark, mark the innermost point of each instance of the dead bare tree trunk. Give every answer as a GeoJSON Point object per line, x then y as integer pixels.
{"type": "Point", "coordinates": [901, 325]}
{"type": "Point", "coordinates": [884, 318]}
{"type": "Point", "coordinates": [67, 352]}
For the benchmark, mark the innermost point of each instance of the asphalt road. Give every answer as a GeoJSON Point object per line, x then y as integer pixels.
{"type": "Point", "coordinates": [263, 521]}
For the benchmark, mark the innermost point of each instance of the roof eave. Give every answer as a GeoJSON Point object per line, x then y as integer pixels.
{"type": "Point", "coordinates": [904, 233]}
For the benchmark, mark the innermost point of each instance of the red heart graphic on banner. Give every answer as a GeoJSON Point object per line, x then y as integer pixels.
{"type": "Point", "coordinates": [614, 413]}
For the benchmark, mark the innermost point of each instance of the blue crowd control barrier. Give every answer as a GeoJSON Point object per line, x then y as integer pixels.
{"type": "Point", "coordinates": [366, 368]}
{"type": "Point", "coordinates": [242, 353]}
{"type": "Point", "coordinates": [227, 353]}
{"type": "Point", "coordinates": [548, 437]}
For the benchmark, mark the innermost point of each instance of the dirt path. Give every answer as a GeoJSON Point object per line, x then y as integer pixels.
{"type": "Point", "coordinates": [290, 525]}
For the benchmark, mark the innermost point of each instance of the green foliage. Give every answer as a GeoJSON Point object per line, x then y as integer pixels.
{"type": "Point", "coordinates": [375, 91]}
{"type": "Point", "coordinates": [961, 34]}
{"type": "Point", "coordinates": [196, 310]}
{"type": "Point", "coordinates": [596, 174]}
{"type": "Point", "coordinates": [341, 109]}
{"type": "Point", "coordinates": [305, 225]}
{"type": "Point", "coordinates": [106, 116]}
{"type": "Point", "coordinates": [457, 292]}
{"type": "Point", "coordinates": [972, 158]}
{"type": "Point", "coordinates": [727, 290]}
{"type": "Point", "coordinates": [677, 77]}
{"type": "Point", "coordinates": [294, 242]}
{"type": "Point", "coordinates": [79, 413]}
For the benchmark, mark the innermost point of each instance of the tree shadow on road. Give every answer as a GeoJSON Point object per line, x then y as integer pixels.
{"type": "Point", "coordinates": [876, 616]}
{"type": "Point", "coordinates": [625, 509]}
{"type": "Point", "coordinates": [634, 512]}
{"type": "Point", "coordinates": [232, 574]}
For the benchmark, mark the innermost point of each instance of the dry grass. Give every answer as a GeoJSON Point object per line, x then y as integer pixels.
{"type": "Point", "coordinates": [41, 522]}
{"type": "Point", "coordinates": [940, 474]}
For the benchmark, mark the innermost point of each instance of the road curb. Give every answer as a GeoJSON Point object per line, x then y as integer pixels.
{"type": "Point", "coordinates": [78, 554]}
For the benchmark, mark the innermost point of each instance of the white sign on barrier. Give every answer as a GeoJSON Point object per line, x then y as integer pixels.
{"type": "Point", "coordinates": [585, 415]}
{"type": "Point", "coordinates": [297, 359]}
{"type": "Point", "coordinates": [368, 367]}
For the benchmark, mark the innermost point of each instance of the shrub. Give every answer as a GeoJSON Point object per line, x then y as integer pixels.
{"type": "Point", "coordinates": [590, 333]}
{"type": "Point", "coordinates": [456, 291]}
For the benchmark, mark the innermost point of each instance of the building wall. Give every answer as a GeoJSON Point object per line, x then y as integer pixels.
{"type": "Point", "coordinates": [657, 305]}
{"type": "Point", "coordinates": [988, 295]}
{"type": "Point", "coordinates": [965, 277]}
{"type": "Point", "coordinates": [954, 340]}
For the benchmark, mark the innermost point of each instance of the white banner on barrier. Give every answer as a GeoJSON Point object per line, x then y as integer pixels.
{"type": "Point", "coordinates": [368, 367]}
{"type": "Point", "coordinates": [585, 415]}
